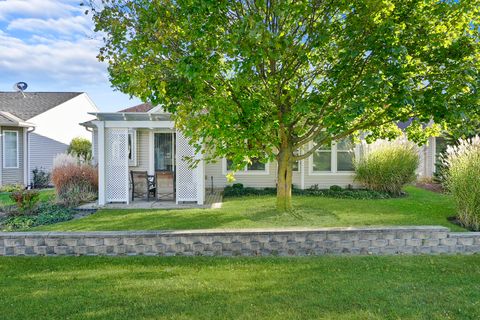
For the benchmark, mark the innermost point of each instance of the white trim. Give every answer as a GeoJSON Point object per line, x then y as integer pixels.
{"type": "Point", "coordinates": [133, 162]}
{"type": "Point", "coordinates": [140, 124]}
{"type": "Point", "coordinates": [151, 152]}
{"type": "Point", "coordinates": [302, 174]}
{"type": "Point", "coordinates": [3, 149]}
{"type": "Point", "coordinates": [127, 173]}
{"type": "Point", "coordinates": [246, 172]}
{"type": "Point", "coordinates": [101, 162]}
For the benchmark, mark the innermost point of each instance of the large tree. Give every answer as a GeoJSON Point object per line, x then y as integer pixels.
{"type": "Point", "coordinates": [277, 79]}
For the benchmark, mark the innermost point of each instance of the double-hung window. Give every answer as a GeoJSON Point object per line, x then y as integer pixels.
{"type": "Point", "coordinates": [335, 157]}
{"type": "Point", "coordinates": [10, 149]}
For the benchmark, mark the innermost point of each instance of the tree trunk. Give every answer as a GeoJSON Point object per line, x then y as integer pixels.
{"type": "Point", "coordinates": [284, 184]}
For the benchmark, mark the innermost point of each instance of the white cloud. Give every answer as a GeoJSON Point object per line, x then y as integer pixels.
{"type": "Point", "coordinates": [66, 61]}
{"type": "Point", "coordinates": [48, 44]}
{"type": "Point", "coordinates": [68, 25]}
{"type": "Point", "coordinates": [38, 8]}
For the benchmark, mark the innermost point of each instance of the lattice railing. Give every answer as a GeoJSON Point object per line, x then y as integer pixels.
{"type": "Point", "coordinates": [187, 178]}
{"type": "Point", "coordinates": [116, 165]}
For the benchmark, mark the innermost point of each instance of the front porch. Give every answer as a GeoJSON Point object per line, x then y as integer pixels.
{"type": "Point", "coordinates": [212, 201]}
{"type": "Point", "coordinates": [142, 156]}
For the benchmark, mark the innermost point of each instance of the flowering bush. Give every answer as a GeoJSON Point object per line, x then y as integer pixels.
{"type": "Point", "coordinates": [75, 182]}
{"type": "Point", "coordinates": [462, 179]}
{"type": "Point", "coordinates": [388, 167]}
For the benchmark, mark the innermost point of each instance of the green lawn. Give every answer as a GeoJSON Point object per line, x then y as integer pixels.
{"type": "Point", "coordinates": [421, 207]}
{"type": "Point", "coordinates": [401, 287]}
{"type": "Point", "coordinates": [45, 195]}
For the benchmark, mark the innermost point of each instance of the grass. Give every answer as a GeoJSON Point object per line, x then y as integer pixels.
{"type": "Point", "coordinates": [401, 287]}
{"type": "Point", "coordinates": [421, 207]}
{"type": "Point", "coordinates": [44, 195]}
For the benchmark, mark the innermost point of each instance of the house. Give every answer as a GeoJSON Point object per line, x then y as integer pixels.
{"type": "Point", "coordinates": [35, 127]}
{"type": "Point", "coordinates": [143, 139]}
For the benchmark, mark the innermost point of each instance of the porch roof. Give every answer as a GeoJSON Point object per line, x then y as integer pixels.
{"type": "Point", "coordinates": [134, 119]}
{"type": "Point", "coordinates": [131, 116]}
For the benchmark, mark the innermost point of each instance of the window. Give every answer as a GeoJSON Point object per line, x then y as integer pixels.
{"type": "Point", "coordinates": [10, 149]}
{"type": "Point", "coordinates": [322, 159]}
{"type": "Point", "coordinates": [132, 147]}
{"type": "Point", "coordinates": [255, 167]}
{"type": "Point", "coordinates": [336, 157]}
{"type": "Point", "coordinates": [345, 155]}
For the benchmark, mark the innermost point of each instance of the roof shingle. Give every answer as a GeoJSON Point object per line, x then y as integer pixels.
{"type": "Point", "coordinates": [144, 107]}
{"type": "Point", "coordinates": [33, 103]}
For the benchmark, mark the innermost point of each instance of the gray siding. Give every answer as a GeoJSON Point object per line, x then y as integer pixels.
{"type": "Point", "coordinates": [216, 171]}
{"type": "Point", "coordinates": [95, 146]}
{"type": "Point", "coordinates": [42, 151]}
{"type": "Point", "coordinates": [10, 176]}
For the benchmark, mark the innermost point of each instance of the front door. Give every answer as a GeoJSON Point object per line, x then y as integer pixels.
{"type": "Point", "coordinates": [165, 165]}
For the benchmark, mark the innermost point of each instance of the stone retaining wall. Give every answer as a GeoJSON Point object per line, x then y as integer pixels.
{"type": "Point", "coordinates": [260, 242]}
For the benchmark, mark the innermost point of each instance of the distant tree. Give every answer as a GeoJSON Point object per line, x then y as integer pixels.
{"type": "Point", "coordinates": [277, 79]}
{"type": "Point", "coordinates": [81, 148]}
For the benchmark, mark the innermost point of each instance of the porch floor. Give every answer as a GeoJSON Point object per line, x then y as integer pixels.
{"type": "Point", "coordinates": [212, 201]}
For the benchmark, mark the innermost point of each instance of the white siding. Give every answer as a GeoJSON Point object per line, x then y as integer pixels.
{"type": "Point", "coordinates": [13, 175]}
{"type": "Point", "coordinates": [62, 123]}
{"type": "Point", "coordinates": [42, 151]}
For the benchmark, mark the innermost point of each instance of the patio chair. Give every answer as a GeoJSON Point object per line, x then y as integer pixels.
{"type": "Point", "coordinates": [143, 185]}
{"type": "Point", "coordinates": [165, 185]}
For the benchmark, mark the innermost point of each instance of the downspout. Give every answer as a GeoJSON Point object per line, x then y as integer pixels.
{"type": "Point", "coordinates": [27, 155]}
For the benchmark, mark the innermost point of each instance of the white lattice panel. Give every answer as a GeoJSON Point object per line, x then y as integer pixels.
{"type": "Point", "coordinates": [187, 178]}
{"type": "Point", "coordinates": [116, 165]}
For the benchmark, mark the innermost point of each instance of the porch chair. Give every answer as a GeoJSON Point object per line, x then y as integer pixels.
{"type": "Point", "coordinates": [143, 185]}
{"type": "Point", "coordinates": [165, 185]}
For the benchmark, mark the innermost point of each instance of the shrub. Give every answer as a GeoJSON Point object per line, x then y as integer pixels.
{"type": "Point", "coordinates": [74, 182]}
{"type": "Point", "coordinates": [388, 167]}
{"type": "Point", "coordinates": [25, 200]}
{"type": "Point", "coordinates": [12, 187]}
{"type": "Point", "coordinates": [336, 188]}
{"type": "Point", "coordinates": [41, 178]}
{"type": "Point", "coordinates": [463, 180]}
{"type": "Point", "coordinates": [18, 223]}
{"type": "Point", "coordinates": [81, 148]}
{"type": "Point", "coordinates": [236, 191]}
{"type": "Point", "coordinates": [46, 213]}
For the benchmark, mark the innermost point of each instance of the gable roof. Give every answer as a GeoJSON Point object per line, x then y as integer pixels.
{"type": "Point", "coordinates": [144, 107]}
{"type": "Point", "coordinates": [30, 104]}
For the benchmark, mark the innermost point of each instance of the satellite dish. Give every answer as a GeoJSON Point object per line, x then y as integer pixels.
{"type": "Point", "coordinates": [20, 86]}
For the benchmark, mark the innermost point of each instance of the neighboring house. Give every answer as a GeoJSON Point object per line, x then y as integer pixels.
{"type": "Point", "coordinates": [35, 127]}
{"type": "Point", "coordinates": [143, 138]}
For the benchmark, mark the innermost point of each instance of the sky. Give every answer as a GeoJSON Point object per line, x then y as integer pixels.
{"type": "Point", "coordinates": [51, 45]}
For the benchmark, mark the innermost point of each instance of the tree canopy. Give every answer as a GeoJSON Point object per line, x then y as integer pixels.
{"type": "Point", "coordinates": [276, 79]}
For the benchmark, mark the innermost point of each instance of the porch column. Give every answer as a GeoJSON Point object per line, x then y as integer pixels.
{"type": "Point", "coordinates": [200, 179]}
{"type": "Point", "coordinates": [101, 162]}
{"type": "Point", "coordinates": [151, 155]}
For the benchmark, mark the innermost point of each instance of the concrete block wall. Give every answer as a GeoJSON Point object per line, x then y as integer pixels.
{"type": "Point", "coordinates": [256, 242]}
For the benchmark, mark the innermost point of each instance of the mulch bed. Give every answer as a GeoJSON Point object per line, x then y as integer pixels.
{"type": "Point", "coordinates": [431, 186]}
